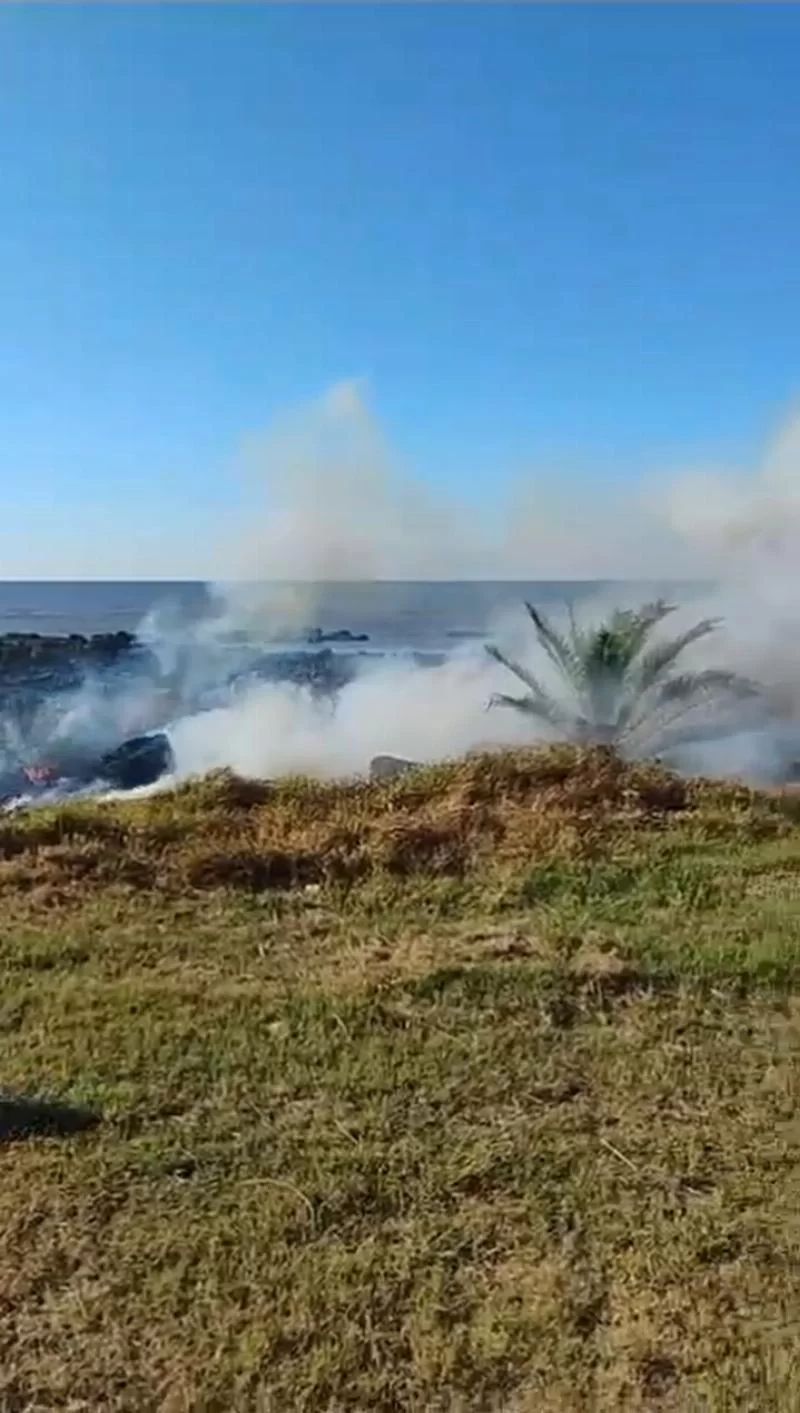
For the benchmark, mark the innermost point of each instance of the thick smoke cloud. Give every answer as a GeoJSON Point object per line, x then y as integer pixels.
{"type": "Point", "coordinates": [329, 500]}
{"type": "Point", "coordinates": [337, 506]}
{"type": "Point", "coordinates": [329, 503]}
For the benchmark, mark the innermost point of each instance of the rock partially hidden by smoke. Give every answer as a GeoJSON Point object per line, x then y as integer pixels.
{"type": "Point", "coordinates": [338, 635]}
{"type": "Point", "coordinates": [388, 767]}
{"type": "Point", "coordinates": [140, 761]}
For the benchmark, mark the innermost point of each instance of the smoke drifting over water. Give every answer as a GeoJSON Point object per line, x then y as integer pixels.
{"type": "Point", "coordinates": [336, 508]}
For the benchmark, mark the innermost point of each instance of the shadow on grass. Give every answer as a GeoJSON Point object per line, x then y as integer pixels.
{"type": "Point", "coordinates": [25, 1117]}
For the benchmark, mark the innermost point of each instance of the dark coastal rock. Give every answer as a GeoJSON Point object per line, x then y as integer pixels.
{"type": "Point", "coordinates": [389, 767]}
{"type": "Point", "coordinates": [325, 671]}
{"type": "Point", "coordinates": [23, 1117]}
{"type": "Point", "coordinates": [428, 658]}
{"type": "Point", "coordinates": [339, 635]}
{"type": "Point", "coordinates": [139, 761]}
{"type": "Point", "coordinates": [18, 648]}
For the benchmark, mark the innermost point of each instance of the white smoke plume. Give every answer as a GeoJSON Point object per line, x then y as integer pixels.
{"type": "Point", "coordinates": [423, 714]}
{"type": "Point", "coordinates": [331, 502]}
{"type": "Point", "coordinates": [340, 508]}
{"type": "Point", "coordinates": [330, 506]}
{"type": "Point", "coordinates": [744, 525]}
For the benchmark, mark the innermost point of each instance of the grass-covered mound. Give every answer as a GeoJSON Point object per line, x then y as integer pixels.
{"type": "Point", "coordinates": [483, 818]}
{"type": "Point", "coordinates": [476, 1089]}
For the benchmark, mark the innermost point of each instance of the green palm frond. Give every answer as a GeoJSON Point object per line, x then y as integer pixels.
{"type": "Point", "coordinates": [607, 653]}
{"type": "Point", "coordinates": [625, 691]}
{"type": "Point", "coordinates": [653, 664]}
{"type": "Point", "coordinates": [525, 676]}
{"type": "Point", "coordinates": [713, 680]}
{"type": "Point", "coordinates": [693, 728]}
{"type": "Point", "coordinates": [575, 632]}
{"type": "Point", "coordinates": [711, 695]}
{"type": "Point", "coordinates": [560, 651]}
{"type": "Point", "coordinates": [579, 638]}
{"type": "Point", "coordinates": [544, 710]}
{"type": "Point", "coordinates": [538, 703]}
{"type": "Point", "coordinates": [635, 626]}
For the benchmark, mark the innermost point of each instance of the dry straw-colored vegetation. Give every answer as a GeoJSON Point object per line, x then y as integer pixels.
{"type": "Point", "coordinates": [471, 1090]}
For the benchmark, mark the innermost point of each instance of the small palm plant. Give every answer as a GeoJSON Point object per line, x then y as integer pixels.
{"type": "Point", "coordinates": [623, 687]}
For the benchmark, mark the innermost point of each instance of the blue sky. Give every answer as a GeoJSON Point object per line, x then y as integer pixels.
{"type": "Point", "coordinates": [547, 237]}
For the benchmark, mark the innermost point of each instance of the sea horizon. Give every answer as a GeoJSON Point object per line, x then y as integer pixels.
{"type": "Point", "coordinates": [392, 612]}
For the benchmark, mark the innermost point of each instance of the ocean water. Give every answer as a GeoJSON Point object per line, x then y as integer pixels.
{"type": "Point", "coordinates": [414, 615]}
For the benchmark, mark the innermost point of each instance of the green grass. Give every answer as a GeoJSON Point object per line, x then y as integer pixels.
{"type": "Point", "coordinates": [473, 1091]}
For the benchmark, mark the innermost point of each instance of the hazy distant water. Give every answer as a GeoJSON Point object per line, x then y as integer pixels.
{"type": "Point", "coordinates": [393, 614]}
{"type": "Point", "coordinates": [90, 607]}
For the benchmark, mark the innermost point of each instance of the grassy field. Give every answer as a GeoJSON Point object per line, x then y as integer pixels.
{"type": "Point", "coordinates": [474, 1090]}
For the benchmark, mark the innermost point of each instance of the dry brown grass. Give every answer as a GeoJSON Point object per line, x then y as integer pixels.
{"type": "Point", "coordinates": [484, 812]}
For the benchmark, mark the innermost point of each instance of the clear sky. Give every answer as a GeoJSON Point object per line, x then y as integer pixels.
{"type": "Point", "coordinates": [557, 236]}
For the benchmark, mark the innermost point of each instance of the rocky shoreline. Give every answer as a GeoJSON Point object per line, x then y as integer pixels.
{"type": "Point", "coordinates": [52, 661]}
{"type": "Point", "coordinates": [40, 659]}
{"type": "Point", "coordinates": [17, 649]}
{"type": "Point", "coordinates": [41, 649]}
{"type": "Point", "coordinates": [35, 666]}
{"type": "Point", "coordinates": [40, 673]}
